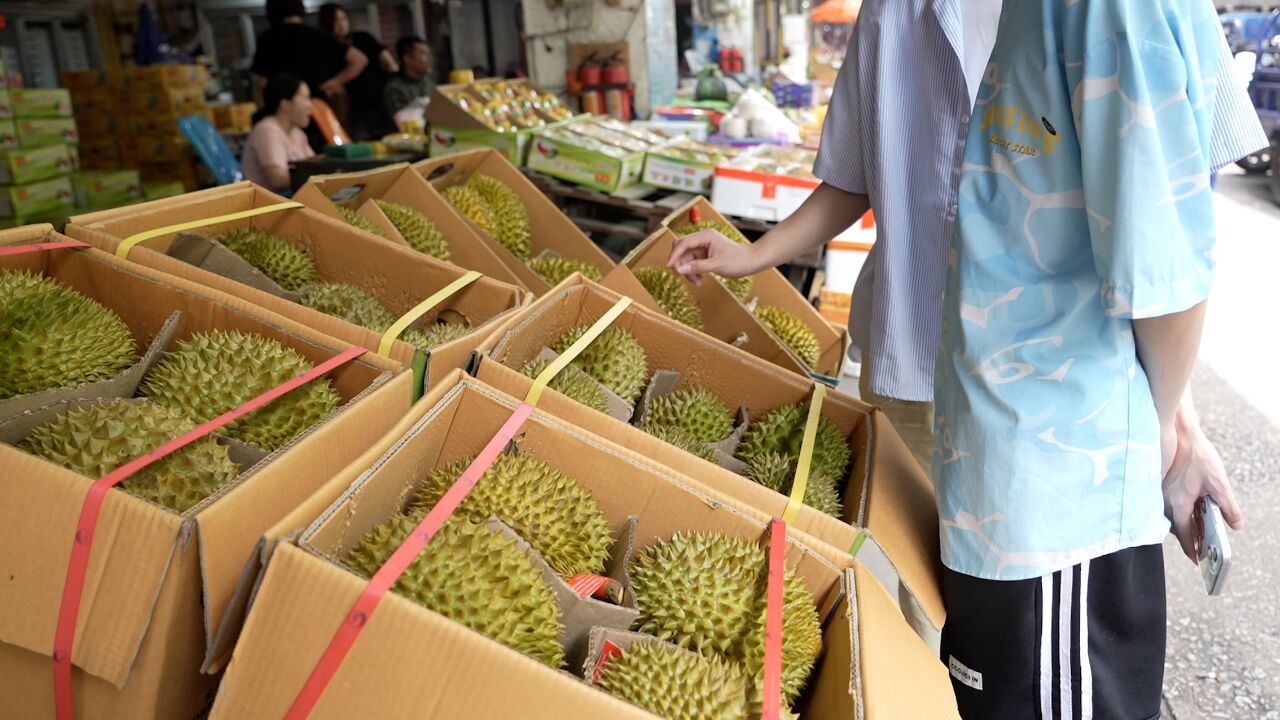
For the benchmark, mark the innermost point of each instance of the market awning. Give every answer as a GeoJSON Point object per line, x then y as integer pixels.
{"type": "Point", "coordinates": [837, 12]}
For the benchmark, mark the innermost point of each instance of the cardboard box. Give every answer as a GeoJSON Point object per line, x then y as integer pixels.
{"type": "Point", "coordinates": [399, 277]}
{"type": "Point", "coordinates": [40, 102]}
{"type": "Point", "coordinates": [6, 105]}
{"type": "Point", "coordinates": [887, 494]}
{"type": "Point", "coordinates": [577, 159]}
{"type": "Point", "coordinates": [455, 116]}
{"type": "Point", "coordinates": [158, 584]}
{"type": "Point", "coordinates": [400, 184]}
{"type": "Point", "coordinates": [410, 661]}
{"type": "Point", "coordinates": [8, 135]}
{"type": "Point", "coordinates": [551, 230]}
{"type": "Point", "coordinates": [107, 189]}
{"type": "Point", "coordinates": [685, 165]}
{"type": "Point", "coordinates": [89, 81]}
{"type": "Point", "coordinates": [167, 103]}
{"type": "Point", "coordinates": [24, 166]}
{"type": "Point", "coordinates": [99, 127]}
{"type": "Point", "coordinates": [743, 189]}
{"type": "Point", "coordinates": [726, 319]}
{"type": "Point", "coordinates": [770, 288]}
{"type": "Point", "coordinates": [34, 133]}
{"type": "Point", "coordinates": [235, 117]}
{"type": "Point", "coordinates": [165, 77]}
{"type": "Point", "coordinates": [182, 171]}
{"type": "Point", "coordinates": [36, 198]}
{"type": "Point", "coordinates": [158, 149]}
{"type": "Point", "coordinates": [156, 191]}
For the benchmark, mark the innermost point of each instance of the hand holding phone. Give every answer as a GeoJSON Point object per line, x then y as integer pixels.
{"type": "Point", "coordinates": [1213, 547]}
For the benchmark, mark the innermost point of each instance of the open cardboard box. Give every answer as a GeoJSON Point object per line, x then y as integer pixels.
{"type": "Point", "coordinates": [453, 129]}
{"type": "Point", "coordinates": [398, 276]}
{"type": "Point", "coordinates": [551, 229]}
{"type": "Point", "coordinates": [399, 184]}
{"type": "Point", "coordinates": [159, 589]}
{"type": "Point", "coordinates": [412, 662]}
{"type": "Point", "coordinates": [886, 495]}
{"type": "Point", "coordinates": [771, 288]}
{"type": "Point", "coordinates": [726, 318]}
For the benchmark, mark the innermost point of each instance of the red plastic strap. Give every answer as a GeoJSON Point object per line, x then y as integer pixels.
{"type": "Point", "coordinates": [772, 709]}
{"type": "Point", "coordinates": [390, 572]}
{"type": "Point", "coordinates": [39, 247]}
{"type": "Point", "coordinates": [73, 586]}
{"type": "Point", "coordinates": [589, 585]}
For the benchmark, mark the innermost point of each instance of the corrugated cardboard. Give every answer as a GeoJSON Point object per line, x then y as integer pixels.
{"type": "Point", "coordinates": [410, 662]}
{"type": "Point", "coordinates": [158, 583]}
{"type": "Point", "coordinates": [770, 288]}
{"type": "Point", "coordinates": [399, 277]}
{"type": "Point", "coordinates": [551, 229]}
{"type": "Point", "coordinates": [726, 319]}
{"type": "Point", "coordinates": [399, 184]}
{"type": "Point", "coordinates": [887, 493]}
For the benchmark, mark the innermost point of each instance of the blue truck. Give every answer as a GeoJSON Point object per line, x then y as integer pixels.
{"type": "Point", "coordinates": [1264, 90]}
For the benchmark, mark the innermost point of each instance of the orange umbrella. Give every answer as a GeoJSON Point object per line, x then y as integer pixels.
{"type": "Point", "coordinates": [836, 12]}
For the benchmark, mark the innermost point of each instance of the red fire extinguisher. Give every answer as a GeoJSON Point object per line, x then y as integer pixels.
{"type": "Point", "coordinates": [590, 77]}
{"type": "Point", "coordinates": [618, 96]}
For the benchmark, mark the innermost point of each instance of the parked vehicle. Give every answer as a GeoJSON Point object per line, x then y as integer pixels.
{"type": "Point", "coordinates": [1243, 31]}
{"type": "Point", "coordinates": [1264, 90]}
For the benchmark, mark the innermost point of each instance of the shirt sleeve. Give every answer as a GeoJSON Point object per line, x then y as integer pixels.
{"type": "Point", "coordinates": [840, 159]}
{"type": "Point", "coordinates": [1144, 114]}
{"type": "Point", "coordinates": [1236, 129]}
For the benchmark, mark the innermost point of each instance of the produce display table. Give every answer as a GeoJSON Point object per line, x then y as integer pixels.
{"type": "Point", "coordinates": [324, 165]}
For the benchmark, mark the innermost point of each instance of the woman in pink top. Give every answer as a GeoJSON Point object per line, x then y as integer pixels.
{"type": "Point", "coordinates": [277, 138]}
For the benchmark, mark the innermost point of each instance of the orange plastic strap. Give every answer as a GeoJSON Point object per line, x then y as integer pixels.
{"type": "Point", "coordinates": [38, 247]}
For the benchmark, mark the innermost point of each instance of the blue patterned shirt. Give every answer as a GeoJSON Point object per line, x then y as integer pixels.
{"type": "Point", "coordinates": [1084, 204]}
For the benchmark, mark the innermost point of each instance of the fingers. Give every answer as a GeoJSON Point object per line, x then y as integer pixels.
{"type": "Point", "coordinates": [1185, 531]}
{"type": "Point", "coordinates": [1223, 495]}
{"type": "Point", "coordinates": [689, 247]}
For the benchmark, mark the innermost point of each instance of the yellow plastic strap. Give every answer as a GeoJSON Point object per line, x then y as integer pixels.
{"type": "Point", "coordinates": [560, 363]}
{"type": "Point", "coordinates": [801, 481]}
{"type": "Point", "coordinates": [127, 244]}
{"type": "Point", "coordinates": [444, 293]}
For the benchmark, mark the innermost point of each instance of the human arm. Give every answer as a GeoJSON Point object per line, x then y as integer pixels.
{"type": "Point", "coordinates": [824, 214]}
{"type": "Point", "coordinates": [355, 64]}
{"type": "Point", "coordinates": [388, 61]}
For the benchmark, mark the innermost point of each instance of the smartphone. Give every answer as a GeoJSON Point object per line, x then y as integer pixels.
{"type": "Point", "coordinates": [1213, 547]}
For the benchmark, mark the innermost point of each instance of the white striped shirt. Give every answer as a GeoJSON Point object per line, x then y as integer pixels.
{"type": "Point", "coordinates": [895, 132]}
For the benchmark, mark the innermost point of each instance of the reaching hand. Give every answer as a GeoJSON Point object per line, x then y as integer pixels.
{"type": "Point", "coordinates": [1195, 470]}
{"type": "Point", "coordinates": [332, 87]}
{"type": "Point", "coordinates": [707, 251]}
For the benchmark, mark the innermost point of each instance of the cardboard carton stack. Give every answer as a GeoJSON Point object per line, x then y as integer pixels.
{"type": "Point", "coordinates": [101, 112]}
{"type": "Point", "coordinates": [158, 95]}
{"type": "Point", "coordinates": [38, 135]}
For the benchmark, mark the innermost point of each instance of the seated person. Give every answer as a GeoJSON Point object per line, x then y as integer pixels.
{"type": "Point", "coordinates": [411, 87]}
{"type": "Point", "coordinates": [278, 138]}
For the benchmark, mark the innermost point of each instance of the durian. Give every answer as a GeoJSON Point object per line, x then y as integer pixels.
{"type": "Point", "coordinates": [98, 438]}
{"type": "Point", "coordinates": [548, 509]}
{"type": "Point", "coordinates": [695, 410]}
{"type": "Point", "coordinates": [475, 577]}
{"type": "Point", "coordinates": [681, 439]}
{"type": "Point", "coordinates": [616, 359]}
{"type": "Point", "coordinates": [52, 336]}
{"type": "Point", "coordinates": [782, 431]}
{"type": "Point", "coordinates": [511, 219]}
{"type": "Point", "coordinates": [288, 265]}
{"type": "Point", "coordinates": [421, 234]}
{"type": "Point", "coordinates": [573, 383]}
{"type": "Point", "coordinates": [555, 268]}
{"type": "Point", "coordinates": [671, 293]}
{"type": "Point", "coordinates": [707, 592]}
{"type": "Point", "coordinates": [217, 371]}
{"type": "Point", "coordinates": [792, 331]}
{"type": "Point", "coordinates": [676, 684]}
{"type": "Point", "coordinates": [355, 219]}
{"type": "Point", "coordinates": [468, 202]}
{"type": "Point", "coordinates": [777, 472]}
{"type": "Point", "coordinates": [740, 287]}
{"type": "Point", "coordinates": [436, 334]}
{"type": "Point", "coordinates": [349, 302]}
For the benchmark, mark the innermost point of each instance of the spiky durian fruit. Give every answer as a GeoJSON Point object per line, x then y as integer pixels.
{"type": "Point", "coordinates": [217, 371]}
{"type": "Point", "coordinates": [355, 219]}
{"type": "Point", "coordinates": [475, 577]}
{"type": "Point", "coordinates": [52, 336]}
{"type": "Point", "coordinates": [421, 234]}
{"type": "Point", "coordinates": [681, 439]}
{"type": "Point", "coordinates": [777, 472]}
{"type": "Point", "coordinates": [573, 383]}
{"type": "Point", "coordinates": [468, 202]}
{"type": "Point", "coordinates": [740, 287]}
{"type": "Point", "coordinates": [677, 684]}
{"type": "Point", "coordinates": [349, 302]}
{"type": "Point", "coordinates": [792, 331]}
{"type": "Point", "coordinates": [696, 411]}
{"type": "Point", "coordinates": [288, 265]}
{"type": "Point", "coordinates": [548, 509]}
{"type": "Point", "coordinates": [781, 430]}
{"type": "Point", "coordinates": [436, 334]}
{"type": "Point", "coordinates": [555, 268]}
{"type": "Point", "coordinates": [707, 592]}
{"type": "Point", "coordinates": [98, 438]}
{"type": "Point", "coordinates": [511, 218]}
{"type": "Point", "coordinates": [672, 294]}
{"type": "Point", "coordinates": [616, 359]}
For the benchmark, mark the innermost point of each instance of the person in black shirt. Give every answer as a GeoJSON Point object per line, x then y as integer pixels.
{"type": "Point", "coordinates": [288, 46]}
{"type": "Point", "coordinates": [368, 118]}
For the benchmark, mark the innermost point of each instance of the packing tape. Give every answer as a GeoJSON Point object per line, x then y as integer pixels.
{"type": "Point", "coordinates": [40, 247]}
{"type": "Point", "coordinates": [772, 695]}
{"type": "Point", "coordinates": [127, 244]}
{"type": "Point", "coordinates": [801, 481]}
{"type": "Point", "coordinates": [383, 580]}
{"type": "Point", "coordinates": [444, 293]}
{"type": "Point", "coordinates": [549, 373]}
{"type": "Point", "coordinates": [73, 586]}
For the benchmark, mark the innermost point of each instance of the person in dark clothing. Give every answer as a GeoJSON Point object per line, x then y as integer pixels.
{"type": "Point", "coordinates": [318, 58]}
{"type": "Point", "coordinates": [367, 116]}
{"type": "Point", "coordinates": [413, 84]}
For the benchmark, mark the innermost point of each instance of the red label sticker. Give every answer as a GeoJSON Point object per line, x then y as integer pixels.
{"type": "Point", "coordinates": [607, 653]}
{"type": "Point", "coordinates": [589, 585]}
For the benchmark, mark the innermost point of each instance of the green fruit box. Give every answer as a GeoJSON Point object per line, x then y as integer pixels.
{"type": "Point", "coordinates": [584, 160]}
{"type": "Point", "coordinates": [6, 105]}
{"type": "Point", "coordinates": [26, 166]}
{"type": "Point", "coordinates": [36, 198]}
{"type": "Point", "coordinates": [33, 132]}
{"type": "Point", "coordinates": [684, 165]}
{"type": "Point", "coordinates": [107, 188]}
{"type": "Point", "coordinates": [8, 135]}
{"type": "Point", "coordinates": [40, 102]}
{"type": "Point", "coordinates": [513, 145]}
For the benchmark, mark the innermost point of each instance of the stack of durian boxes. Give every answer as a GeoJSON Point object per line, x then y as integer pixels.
{"type": "Point", "coordinates": [410, 445]}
